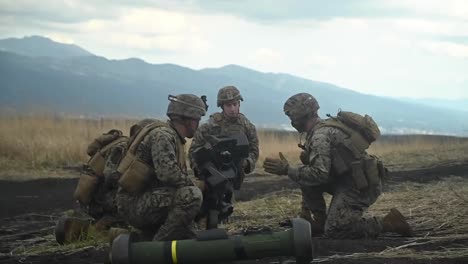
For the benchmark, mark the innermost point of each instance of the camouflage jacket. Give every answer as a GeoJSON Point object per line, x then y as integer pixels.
{"type": "Point", "coordinates": [114, 155]}
{"type": "Point", "coordinates": [163, 149]}
{"type": "Point", "coordinates": [318, 148]}
{"type": "Point", "coordinates": [219, 125]}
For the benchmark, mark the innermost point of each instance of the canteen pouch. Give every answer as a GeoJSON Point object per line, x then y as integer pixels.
{"type": "Point", "coordinates": [359, 177]}
{"type": "Point", "coordinates": [372, 171]}
{"type": "Point", "coordinates": [135, 174]}
{"type": "Point", "coordinates": [86, 187]}
{"type": "Point", "coordinates": [97, 164]}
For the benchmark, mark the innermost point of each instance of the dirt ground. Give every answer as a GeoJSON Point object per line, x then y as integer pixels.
{"type": "Point", "coordinates": [29, 210]}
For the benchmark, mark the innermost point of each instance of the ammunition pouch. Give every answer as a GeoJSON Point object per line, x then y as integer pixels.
{"type": "Point", "coordinates": [383, 172]}
{"type": "Point", "coordinates": [364, 170]}
{"type": "Point", "coordinates": [366, 173]}
{"type": "Point", "coordinates": [358, 175]}
{"type": "Point", "coordinates": [85, 189]}
{"type": "Point", "coordinates": [97, 164]}
{"type": "Point", "coordinates": [372, 171]}
{"type": "Point", "coordinates": [135, 173]}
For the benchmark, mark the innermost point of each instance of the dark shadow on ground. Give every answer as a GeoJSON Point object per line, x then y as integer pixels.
{"type": "Point", "coordinates": [29, 209]}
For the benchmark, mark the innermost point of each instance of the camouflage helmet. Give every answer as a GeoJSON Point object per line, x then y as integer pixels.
{"type": "Point", "coordinates": [228, 93]}
{"type": "Point", "coordinates": [300, 105]}
{"type": "Point", "coordinates": [186, 105]}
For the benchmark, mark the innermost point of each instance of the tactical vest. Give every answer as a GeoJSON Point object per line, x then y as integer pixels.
{"type": "Point", "coordinates": [135, 172]}
{"type": "Point", "coordinates": [227, 129]}
{"type": "Point", "coordinates": [98, 150]}
{"type": "Point", "coordinates": [350, 157]}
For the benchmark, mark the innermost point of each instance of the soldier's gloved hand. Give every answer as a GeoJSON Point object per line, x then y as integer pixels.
{"type": "Point", "coordinates": [276, 166]}
{"type": "Point", "coordinates": [304, 158]}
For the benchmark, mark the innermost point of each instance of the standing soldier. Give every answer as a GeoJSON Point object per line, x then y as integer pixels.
{"type": "Point", "coordinates": [229, 122]}
{"type": "Point", "coordinates": [336, 162]}
{"type": "Point", "coordinates": [156, 194]}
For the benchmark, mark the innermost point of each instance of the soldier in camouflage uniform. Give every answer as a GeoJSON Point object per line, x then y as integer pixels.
{"type": "Point", "coordinates": [169, 200]}
{"type": "Point", "coordinates": [103, 204]}
{"type": "Point", "coordinates": [315, 177]}
{"type": "Point", "coordinates": [229, 122]}
{"type": "Point", "coordinates": [96, 190]}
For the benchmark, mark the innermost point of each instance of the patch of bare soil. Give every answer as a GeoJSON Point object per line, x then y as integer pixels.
{"type": "Point", "coordinates": [29, 210]}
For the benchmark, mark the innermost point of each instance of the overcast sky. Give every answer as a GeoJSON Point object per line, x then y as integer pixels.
{"type": "Point", "coordinates": [399, 48]}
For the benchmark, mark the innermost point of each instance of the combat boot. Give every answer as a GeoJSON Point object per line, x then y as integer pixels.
{"type": "Point", "coordinates": [395, 222]}
{"type": "Point", "coordinates": [106, 222]}
{"type": "Point", "coordinates": [70, 229]}
{"type": "Point", "coordinates": [114, 232]}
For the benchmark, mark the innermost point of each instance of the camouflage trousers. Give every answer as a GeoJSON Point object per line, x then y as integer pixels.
{"type": "Point", "coordinates": [165, 212]}
{"type": "Point", "coordinates": [103, 203]}
{"type": "Point", "coordinates": [345, 213]}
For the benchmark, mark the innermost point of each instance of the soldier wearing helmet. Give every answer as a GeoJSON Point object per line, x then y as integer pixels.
{"type": "Point", "coordinates": [97, 189]}
{"type": "Point", "coordinates": [167, 201]}
{"type": "Point", "coordinates": [327, 142]}
{"type": "Point", "coordinates": [229, 122]}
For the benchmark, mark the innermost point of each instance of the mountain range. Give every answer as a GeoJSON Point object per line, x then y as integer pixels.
{"type": "Point", "coordinates": [37, 72]}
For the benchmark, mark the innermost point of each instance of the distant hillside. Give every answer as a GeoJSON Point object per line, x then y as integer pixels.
{"type": "Point", "coordinates": [37, 46]}
{"type": "Point", "coordinates": [456, 104]}
{"type": "Point", "coordinates": [96, 85]}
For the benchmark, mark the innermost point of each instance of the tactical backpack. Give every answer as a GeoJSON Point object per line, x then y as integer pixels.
{"type": "Point", "coordinates": [94, 168]}
{"type": "Point", "coordinates": [350, 156]}
{"type": "Point", "coordinates": [136, 173]}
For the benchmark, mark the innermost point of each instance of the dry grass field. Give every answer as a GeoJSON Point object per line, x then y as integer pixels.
{"type": "Point", "coordinates": [437, 212]}
{"type": "Point", "coordinates": [45, 144]}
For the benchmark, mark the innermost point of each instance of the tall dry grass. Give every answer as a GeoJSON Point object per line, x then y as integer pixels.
{"type": "Point", "coordinates": [45, 141]}
{"type": "Point", "coordinates": [397, 151]}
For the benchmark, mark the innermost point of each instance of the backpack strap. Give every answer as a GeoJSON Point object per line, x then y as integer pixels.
{"type": "Point", "coordinates": [355, 142]}
{"type": "Point", "coordinates": [140, 135]}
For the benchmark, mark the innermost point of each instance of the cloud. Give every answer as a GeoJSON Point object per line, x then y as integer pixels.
{"type": "Point", "coordinates": [431, 27]}
{"type": "Point", "coordinates": [455, 9]}
{"type": "Point", "coordinates": [447, 48]}
{"type": "Point", "coordinates": [63, 11]}
{"type": "Point", "coordinates": [58, 37]}
{"type": "Point", "coordinates": [370, 46]}
{"type": "Point", "coordinates": [150, 20]}
{"type": "Point", "coordinates": [265, 56]}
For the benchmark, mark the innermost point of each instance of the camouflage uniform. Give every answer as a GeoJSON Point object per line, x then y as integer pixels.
{"type": "Point", "coordinates": [220, 125]}
{"type": "Point", "coordinates": [344, 219]}
{"type": "Point", "coordinates": [315, 177]}
{"type": "Point", "coordinates": [170, 201]}
{"type": "Point", "coordinates": [103, 200]}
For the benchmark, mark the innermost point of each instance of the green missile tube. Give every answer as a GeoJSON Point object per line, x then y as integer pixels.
{"type": "Point", "coordinates": [212, 248]}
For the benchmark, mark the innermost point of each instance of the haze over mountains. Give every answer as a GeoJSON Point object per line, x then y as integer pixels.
{"type": "Point", "coordinates": [39, 73]}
